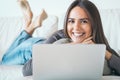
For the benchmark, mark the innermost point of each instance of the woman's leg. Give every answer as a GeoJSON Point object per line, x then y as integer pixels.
{"type": "Point", "coordinates": [20, 50]}
{"type": "Point", "coordinates": [21, 53]}
{"type": "Point", "coordinates": [37, 22]}
{"type": "Point", "coordinates": [27, 14]}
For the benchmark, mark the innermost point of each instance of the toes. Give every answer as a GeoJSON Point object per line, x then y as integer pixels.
{"type": "Point", "coordinates": [43, 14]}
{"type": "Point", "coordinates": [26, 10]}
{"type": "Point", "coordinates": [24, 4]}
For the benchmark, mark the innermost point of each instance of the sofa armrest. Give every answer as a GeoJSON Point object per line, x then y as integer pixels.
{"type": "Point", "coordinates": [10, 72]}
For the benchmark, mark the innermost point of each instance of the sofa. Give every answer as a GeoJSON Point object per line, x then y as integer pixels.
{"type": "Point", "coordinates": [10, 28]}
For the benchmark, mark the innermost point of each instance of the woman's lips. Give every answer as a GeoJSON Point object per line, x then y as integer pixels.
{"type": "Point", "coordinates": [78, 34]}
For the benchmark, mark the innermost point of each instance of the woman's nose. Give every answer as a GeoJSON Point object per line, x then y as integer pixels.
{"type": "Point", "coordinates": [77, 25]}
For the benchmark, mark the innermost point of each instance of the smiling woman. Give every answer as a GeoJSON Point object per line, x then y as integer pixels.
{"type": "Point", "coordinates": [82, 24]}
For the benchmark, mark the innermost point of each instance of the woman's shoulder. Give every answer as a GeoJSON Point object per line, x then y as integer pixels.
{"type": "Point", "coordinates": [60, 33]}
{"type": "Point", "coordinates": [56, 36]}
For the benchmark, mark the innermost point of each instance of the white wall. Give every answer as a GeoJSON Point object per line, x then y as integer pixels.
{"type": "Point", "coordinates": [11, 8]}
{"type": "Point", "coordinates": [107, 4]}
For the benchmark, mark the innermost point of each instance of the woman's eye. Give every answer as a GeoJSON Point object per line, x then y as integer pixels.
{"type": "Point", "coordinates": [84, 21]}
{"type": "Point", "coordinates": [71, 21]}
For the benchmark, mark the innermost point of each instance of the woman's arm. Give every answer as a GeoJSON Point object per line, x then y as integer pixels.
{"type": "Point", "coordinates": [114, 63]}
{"type": "Point", "coordinates": [55, 36]}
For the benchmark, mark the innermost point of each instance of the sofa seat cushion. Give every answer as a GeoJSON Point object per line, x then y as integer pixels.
{"type": "Point", "coordinates": [10, 72]}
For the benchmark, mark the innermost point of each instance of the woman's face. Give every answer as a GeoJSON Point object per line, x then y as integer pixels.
{"type": "Point", "coordinates": [78, 25]}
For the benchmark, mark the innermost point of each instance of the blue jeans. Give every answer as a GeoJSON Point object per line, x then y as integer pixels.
{"type": "Point", "coordinates": [21, 49]}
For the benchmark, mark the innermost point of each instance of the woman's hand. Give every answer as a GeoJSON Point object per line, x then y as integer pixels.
{"type": "Point", "coordinates": [108, 55]}
{"type": "Point", "coordinates": [86, 41]}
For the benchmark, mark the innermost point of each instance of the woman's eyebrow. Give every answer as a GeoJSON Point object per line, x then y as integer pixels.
{"type": "Point", "coordinates": [84, 19]}
{"type": "Point", "coordinates": [80, 18]}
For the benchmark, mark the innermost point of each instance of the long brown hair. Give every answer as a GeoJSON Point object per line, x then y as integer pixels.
{"type": "Point", "coordinates": [95, 20]}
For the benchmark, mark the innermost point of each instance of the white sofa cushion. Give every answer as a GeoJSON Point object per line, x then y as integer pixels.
{"type": "Point", "coordinates": [49, 26]}
{"type": "Point", "coordinates": [10, 72]}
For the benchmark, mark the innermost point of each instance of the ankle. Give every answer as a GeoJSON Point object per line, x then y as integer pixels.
{"type": "Point", "coordinates": [30, 29]}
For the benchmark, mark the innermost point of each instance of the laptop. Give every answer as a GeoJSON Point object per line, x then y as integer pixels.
{"type": "Point", "coordinates": [68, 61]}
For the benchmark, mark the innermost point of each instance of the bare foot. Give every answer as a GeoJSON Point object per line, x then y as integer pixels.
{"type": "Point", "coordinates": [24, 5]}
{"type": "Point", "coordinates": [37, 22]}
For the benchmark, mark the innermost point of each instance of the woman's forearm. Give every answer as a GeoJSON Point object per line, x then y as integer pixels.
{"type": "Point", "coordinates": [114, 63]}
{"type": "Point", "coordinates": [108, 55]}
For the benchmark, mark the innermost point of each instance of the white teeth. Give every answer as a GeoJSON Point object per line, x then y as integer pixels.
{"type": "Point", "coordinates": [78, 35]}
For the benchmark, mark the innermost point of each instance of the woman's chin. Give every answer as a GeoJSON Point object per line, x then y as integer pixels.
{"type": "Point", "coordinates": [77, 41]}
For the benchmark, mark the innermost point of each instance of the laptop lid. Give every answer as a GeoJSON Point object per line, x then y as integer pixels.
{"type": "Point", "coordinates": [68, 61]}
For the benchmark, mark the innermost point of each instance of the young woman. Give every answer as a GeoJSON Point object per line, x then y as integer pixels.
{"type": "Point", "coordinates": [82, 24]}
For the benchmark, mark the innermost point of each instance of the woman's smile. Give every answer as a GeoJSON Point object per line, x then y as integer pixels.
{"type": "Point", "coordinates": [78, 35]}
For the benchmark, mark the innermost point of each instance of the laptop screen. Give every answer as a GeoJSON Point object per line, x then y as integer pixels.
{"type": "Point", "coordinates": [68, 61]}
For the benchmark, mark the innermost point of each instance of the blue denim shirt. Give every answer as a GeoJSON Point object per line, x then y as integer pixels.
{"type": "Point", "coordinates": [21, 49]}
